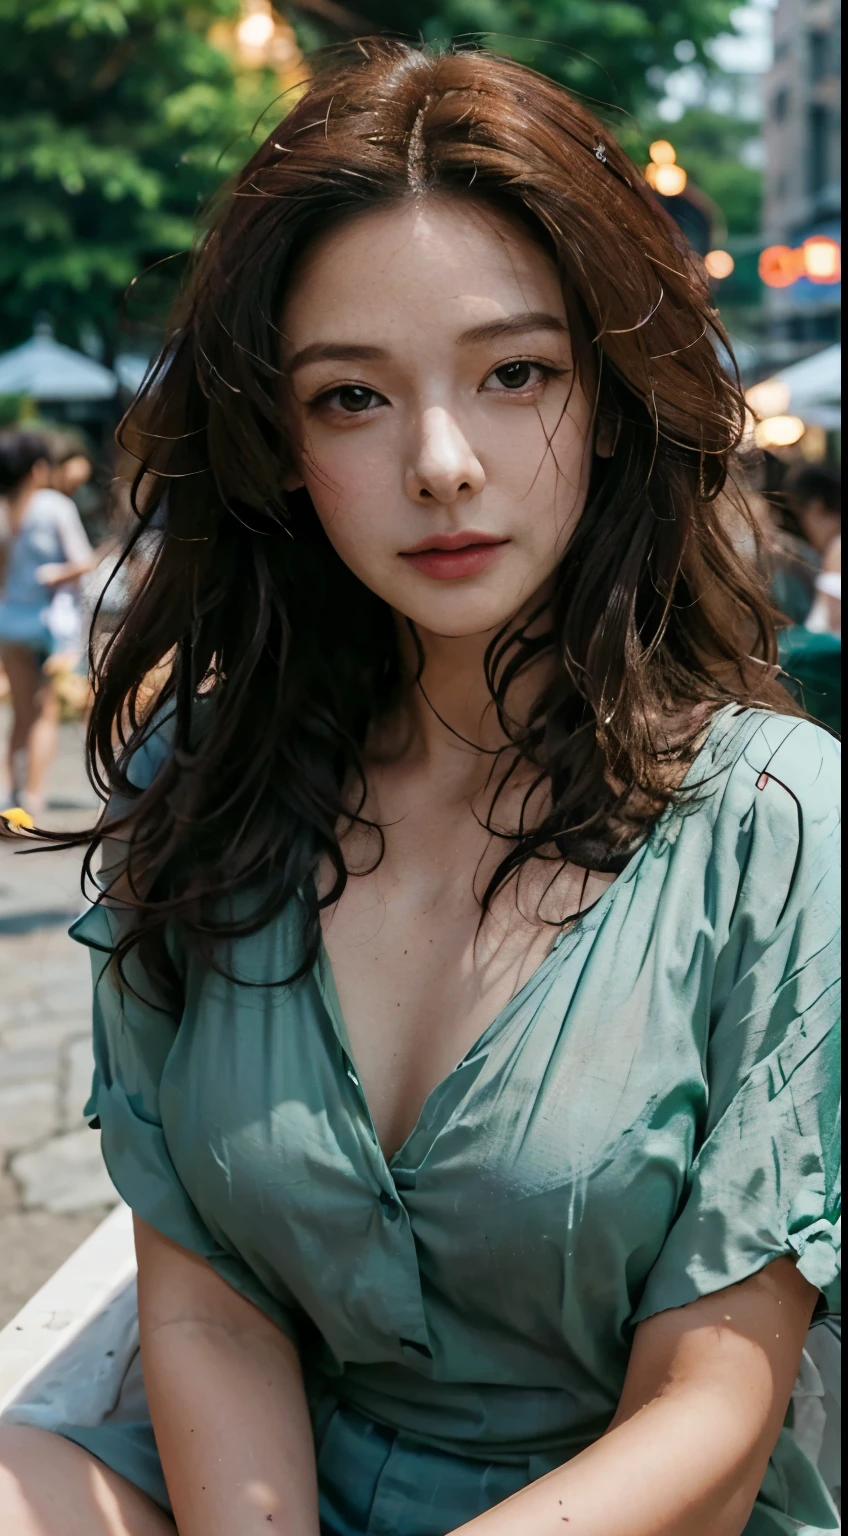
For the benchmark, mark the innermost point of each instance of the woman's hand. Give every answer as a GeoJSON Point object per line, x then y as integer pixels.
{"type": "Point", "coordinates": [705, 1397]}
{"type": "Point", "coordinates": [226, 1399]}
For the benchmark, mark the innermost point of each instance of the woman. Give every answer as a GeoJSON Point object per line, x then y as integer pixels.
{"type": "Point", "coordinates": [466, 974]}
{"type": "Point", "coordinates": [46, 551]}
{"type": "Point", "coordinates": [806, 586]}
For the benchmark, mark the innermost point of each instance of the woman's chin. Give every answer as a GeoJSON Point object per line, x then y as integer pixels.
{"type": "Point", "coordinates": [459, 617]}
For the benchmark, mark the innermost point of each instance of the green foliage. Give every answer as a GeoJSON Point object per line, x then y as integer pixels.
{"type": "Point", "coordinates": [13, 409]}
{"type": "Point", "coordinates": [603, 49]}
{"type": "Point", "coordinates": [118, 120]}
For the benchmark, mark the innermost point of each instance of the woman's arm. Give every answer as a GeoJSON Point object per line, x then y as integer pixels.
{"type": "Point", "coordinates": [226, 1400]}
{"type": "Point", "coordinates": [56, 573]}
{"type": "Point", "coordinates": [703, 1403]}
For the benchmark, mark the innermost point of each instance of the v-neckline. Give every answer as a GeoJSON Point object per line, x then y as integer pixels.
{"type": "Point", "coordinates": [576, 932]}
{"type": "Point", "coordinates": [326, 981]}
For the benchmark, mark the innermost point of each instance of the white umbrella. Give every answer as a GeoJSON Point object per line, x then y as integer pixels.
{"type": "Point", "coordinates": [43, 369]}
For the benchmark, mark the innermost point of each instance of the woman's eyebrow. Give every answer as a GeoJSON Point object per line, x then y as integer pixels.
{"type": "Point", "coordinates": [490, 330]}
{"type": "Point", "coordinates": [513, 325]}
{"type": "Point", "coordinates": [335, 352]}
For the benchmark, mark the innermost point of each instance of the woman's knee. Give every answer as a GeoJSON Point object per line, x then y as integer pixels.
{"type": "Point", "coordinates": [51, 1487]}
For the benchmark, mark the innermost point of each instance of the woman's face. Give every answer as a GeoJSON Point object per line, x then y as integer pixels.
{"type": "Point", "coordinates": [444, 441]}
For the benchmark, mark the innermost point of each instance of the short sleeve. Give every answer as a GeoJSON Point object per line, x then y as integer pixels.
{"type": "Point", "coordinates": [73, 536]}
{"type": "Point", "coordinates": [766, 1180]}
{"type": "Point", "coordinates": [133, 1035]}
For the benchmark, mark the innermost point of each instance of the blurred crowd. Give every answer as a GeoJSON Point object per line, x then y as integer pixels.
{"type": "Point", "coordinates": [66, 578]}
{"type": "Point", "coordinates": [800, 514]}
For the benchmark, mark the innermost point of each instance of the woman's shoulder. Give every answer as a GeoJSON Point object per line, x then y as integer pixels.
{"type": "Point", "coordinates": [51, 506]}
{"type": "Point", "coordinates": [770, 803]}
{"type": "Point", "coordinates": [148, 756]}
{"type": "Point", "coordinates": [154, 748]}
{"type": "Point", "coordinates": [754, 748]}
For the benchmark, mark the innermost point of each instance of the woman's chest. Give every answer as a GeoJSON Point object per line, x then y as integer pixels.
{"type": "Point", "coordinates": [578, 1112]}
{"type": "Point", "coordinates": [533, 1195]}
{"type": "Point", "coordinates": [419, 973]}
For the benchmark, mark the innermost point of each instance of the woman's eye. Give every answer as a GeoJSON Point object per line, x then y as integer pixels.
{"type": "Point", "coordinates": [514, 375]}
{"type": "Point", "coordinates": [518, 375]}
{"type": "Point", "coordinates": [352, 398]}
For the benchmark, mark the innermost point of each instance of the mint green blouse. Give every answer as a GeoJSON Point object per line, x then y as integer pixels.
{"type": "Point", "coordinates": [654, 1116]}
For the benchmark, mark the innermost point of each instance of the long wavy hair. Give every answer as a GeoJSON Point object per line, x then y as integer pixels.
{"type": "Point", "coordinates": [274, 659]}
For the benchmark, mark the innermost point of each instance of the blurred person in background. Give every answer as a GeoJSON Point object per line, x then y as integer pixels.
{"type": "Point", "coordinates": [121, 562]}
{"type": "Point", "coordinates": [808, 518]}
{"type": "Point", "coordinates": [71, 471]}
{"type": "Point", "coordinates": [813, 497]}
{"type": "Point", "coordinates": [45, 550]}
{"type": "Point", "coordinates": [806, 585]}
{"type": "Point", "coordinates": [826, 612]}
{"type": "Point", "coordinates": [77, 474]}
{"type": "Point", "coordinates": [813, 494]}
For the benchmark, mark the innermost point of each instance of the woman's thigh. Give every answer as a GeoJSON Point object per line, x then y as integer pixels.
{"type": "Point", "coordinates": [51, 1487]}
{"type": "Point", "coordinates": [27, 683]}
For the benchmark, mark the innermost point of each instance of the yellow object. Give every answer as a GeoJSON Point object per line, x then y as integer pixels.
{"type": "Point", "coordinates": [261, 39]}
{"type": "Point", "coordinates": [771, 397]}
{"type": "Point", "coordinates": [719, 264]}
{"type": "Point", "coordinates": [669, 180]}
{"type": "Point", "coordinates": [256, 30]}
{"type": "Point", "coordinates": [662, 153]}
{"type": "Point", "coordinates": [18, 818]}
{"type": "Point", "coordinates": [779, 432]}
{"type": "Point", "coordinates": [822, 258]}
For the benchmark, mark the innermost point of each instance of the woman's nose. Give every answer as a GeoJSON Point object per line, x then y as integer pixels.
{"type": "Point", "coordinates": [443, 466]}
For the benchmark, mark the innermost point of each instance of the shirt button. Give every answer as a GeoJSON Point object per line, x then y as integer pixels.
{"type": "Point", "coordinates": [391, 1208]}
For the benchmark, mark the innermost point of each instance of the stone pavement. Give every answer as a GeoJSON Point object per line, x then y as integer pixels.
{"type": "Point", "coordinates": [53, 1186]}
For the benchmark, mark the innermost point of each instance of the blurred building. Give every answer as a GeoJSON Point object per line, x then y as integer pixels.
{"type": "Point", "coordinates": [802, 132]}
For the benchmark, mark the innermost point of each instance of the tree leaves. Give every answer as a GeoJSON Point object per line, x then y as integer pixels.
{"type": "Point", "coordinates": [118, 120]}
{"type": "Point", "coordinates": [602, 49]}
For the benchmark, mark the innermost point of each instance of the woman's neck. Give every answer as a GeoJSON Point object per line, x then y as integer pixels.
{"type": "Point", "coordinates": [449, 726]}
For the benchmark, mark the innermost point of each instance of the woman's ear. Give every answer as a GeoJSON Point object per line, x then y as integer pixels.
{"type": "Point", "coordinates": [607, 433]}
{"type": "Point", "coordinates": [292, 483]}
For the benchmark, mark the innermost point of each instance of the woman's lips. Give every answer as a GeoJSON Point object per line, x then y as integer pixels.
{"type": "Point", "coordinates": [452, 564]}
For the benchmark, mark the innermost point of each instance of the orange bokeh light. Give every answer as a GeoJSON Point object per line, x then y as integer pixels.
{"type": "Point", "coordinates": [719, 264]}
{"type": "Point", "coordinates": [822, 259]}
{"type": "Point", "coordinates": [662, 153]}
{"type": "Point", "coordinates": [819, 259]}
{"type": "Point", "coordinates": [779, 432]}
{"type": "Point", "coordinates": [668, 180]}
{"type": "Point", "coordinates": [779, 266]}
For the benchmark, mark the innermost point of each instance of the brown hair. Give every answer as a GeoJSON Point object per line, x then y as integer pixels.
{"type": "Point", "coordinates": [655, 620]}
